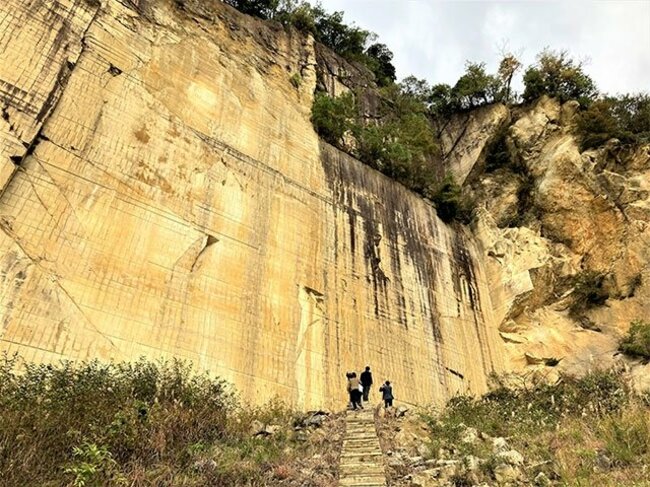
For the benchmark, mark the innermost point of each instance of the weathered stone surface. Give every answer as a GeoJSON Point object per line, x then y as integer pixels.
{"type": "Point", "coordinates": [464, 138]}
{"type": "Point", "coordinates": [588, 217]}
{"type": "Point", "coordinates": [178, 203]}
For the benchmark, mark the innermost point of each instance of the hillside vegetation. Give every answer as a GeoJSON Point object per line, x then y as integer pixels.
{"type": "Point", "coordinates": [581, 432]}
{"type": "Point", "coordinates": [151, 424]}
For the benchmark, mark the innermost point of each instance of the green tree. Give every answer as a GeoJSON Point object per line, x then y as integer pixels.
{"type": "Point", "coordinates": [475, 87]}
{"type": "Point", "coordinates": [451, 204]}
{"type": "Point", "coordinates": [442, 100]}
{"type": "Point", "coordinates": [626, 118]}
{"type": "Point", "coordinates": [416, 88]}
{"type": "Point", "coordinates": [265, 9]}
{"type": "Point", "coordinates": [559, 76]}
{"type": "Point", "coordinates": [402, 144]}
{"type": "Point", "coordinates": [348, 41]}
{"type": "Point", "coordinates": [380, 63]}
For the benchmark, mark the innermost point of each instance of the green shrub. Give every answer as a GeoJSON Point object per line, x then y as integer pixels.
{"type": "Point", "coordinates": [637, 340]}
{"type": "Point", "coordinates": [265, 9]}
{"type": "Point", "coordinates": [626, 118]}
{"type": "Point", "coordinates": [142, 423]}
{"type": "Point", "coordinates": [379, 60]}
{"type": "Point", "coordinates": [451, 204]}
{"type": "Point", "coordinates": [401, 143]}
{"type": "Point", "coordinates": [589, 291]}
{"type": "Point", "coordinates": [507, 411]}
{"type": "Point", "coordinates": [557, 75]}
{"type": "Point", "coordinates": [475, 87]}
{"type": "Point", "coordinates": [295, 80]}
{"type": "Point", "coordinates": [333, 117]}
{"type": "Point", "coordinates": [497, 154]}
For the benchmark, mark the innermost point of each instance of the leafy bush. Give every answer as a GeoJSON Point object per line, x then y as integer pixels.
{"type": "Point", "coordinates": [557, 75]}
{"type": "Point", "coordinates": [264, 9]}
{"type": "Point", "coordinates": [134, 424]}
{"type": "Point", "coordinates": [451, 204]}
{"type": "Point", "coordinates": [637, 340]}
{"type": "Point", "coordinates": [561, 430]}
{"type": "Point", "coordinates": [626, 118]}
{"type": "Point", "coordinates": [588, 291]}
{"type": "Point", "coordinates": [497, 154]}
{"type": "Point", "coordinates": [401, 143]}
{"type": "Point", "coordinates": [333, 117]}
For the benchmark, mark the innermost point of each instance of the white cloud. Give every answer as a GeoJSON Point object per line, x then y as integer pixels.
{"type": "Point", "coordinates": [433, 39]}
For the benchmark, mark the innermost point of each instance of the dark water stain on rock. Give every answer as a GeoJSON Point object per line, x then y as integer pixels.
{"type": "Point", "coordinates": [384, 208]}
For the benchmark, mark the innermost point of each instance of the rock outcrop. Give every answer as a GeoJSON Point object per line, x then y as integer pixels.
{"type": "Point", "coordinates": [585, 219]}
{"type": "Point", "coordinates": [166, 195]}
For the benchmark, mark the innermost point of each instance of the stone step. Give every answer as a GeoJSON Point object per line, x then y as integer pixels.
{"type": "Point", "coordinates": [357, 430]}
{"type": "Point", "coordinates": [360, 442]}
{"type": "Point", "coordinates": [357, 447]}
{"type": "Point", "coordinates": [361, 447]}
{"type": "Point", "coordinates": [363, 482]}
{"type": "Point", "coordinates": [361, 470]}
{"type": "Point", "coordinates": [365, 458]}
{"type": "Point", "coordinates": [361, 463]}
{"type": "Point", "coordinates": [369, 462]}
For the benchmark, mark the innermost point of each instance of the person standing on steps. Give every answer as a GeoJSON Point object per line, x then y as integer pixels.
{"type": "Point", "coordinates": [366, 382]}
{"type": "Point", "coordinates": [353, 389]}
{"type": "Point", "coordinates": [387, 394]}
{"type": "Point", "coordinates": [348, 376]}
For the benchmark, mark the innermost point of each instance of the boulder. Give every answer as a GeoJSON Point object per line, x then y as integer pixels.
{"type": "Point", "coordinates": [499, 444]}
{"type": "Point", "coordinates": [506, 473]}
{"type": "Point", "coordinates": [541, 480]}
{"type": "Point", "coordinates": [511, 457]}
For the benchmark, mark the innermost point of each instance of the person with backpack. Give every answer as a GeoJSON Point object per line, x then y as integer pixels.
{"type": "Point", "coordinates": [387, 394]}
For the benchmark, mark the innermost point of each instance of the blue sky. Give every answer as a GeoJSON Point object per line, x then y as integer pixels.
{"type": "Point", "coordinates": [433, 39]}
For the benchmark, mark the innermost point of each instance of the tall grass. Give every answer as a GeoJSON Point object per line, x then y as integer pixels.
{"type": "Point", "coordinates": [587, 431]}
{"type": "Point", "coordinates": [143, 423]}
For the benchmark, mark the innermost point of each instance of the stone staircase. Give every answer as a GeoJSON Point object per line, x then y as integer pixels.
{"type": "Point", "coordinates": [362, 463]}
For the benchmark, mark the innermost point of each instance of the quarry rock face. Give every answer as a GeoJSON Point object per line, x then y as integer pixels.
{"type": "Point", "coordinates": [164, 195]}
{"type": "Point", "coordinates": [465, 136]}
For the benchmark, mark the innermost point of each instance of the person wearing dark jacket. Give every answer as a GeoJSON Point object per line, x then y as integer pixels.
{"type": "Point", "coordinates": [387, 394]}
{"type": "Point", "coordinates": [366, 382]}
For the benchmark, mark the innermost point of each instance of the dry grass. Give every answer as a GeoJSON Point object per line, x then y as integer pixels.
{"type": "Point", "coordinates": [150, 424]}
{"type": "Point", "coordinates": [591, 431]}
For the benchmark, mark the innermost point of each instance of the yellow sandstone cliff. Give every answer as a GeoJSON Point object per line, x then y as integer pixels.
{"type": "Point", "coordinates": [164, 194]}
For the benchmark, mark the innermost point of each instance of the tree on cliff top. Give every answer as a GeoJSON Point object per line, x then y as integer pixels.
{"type": "Point", "coordinates": [347, 40]}
{"type": "Point", "coordinates": [557, 75]}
